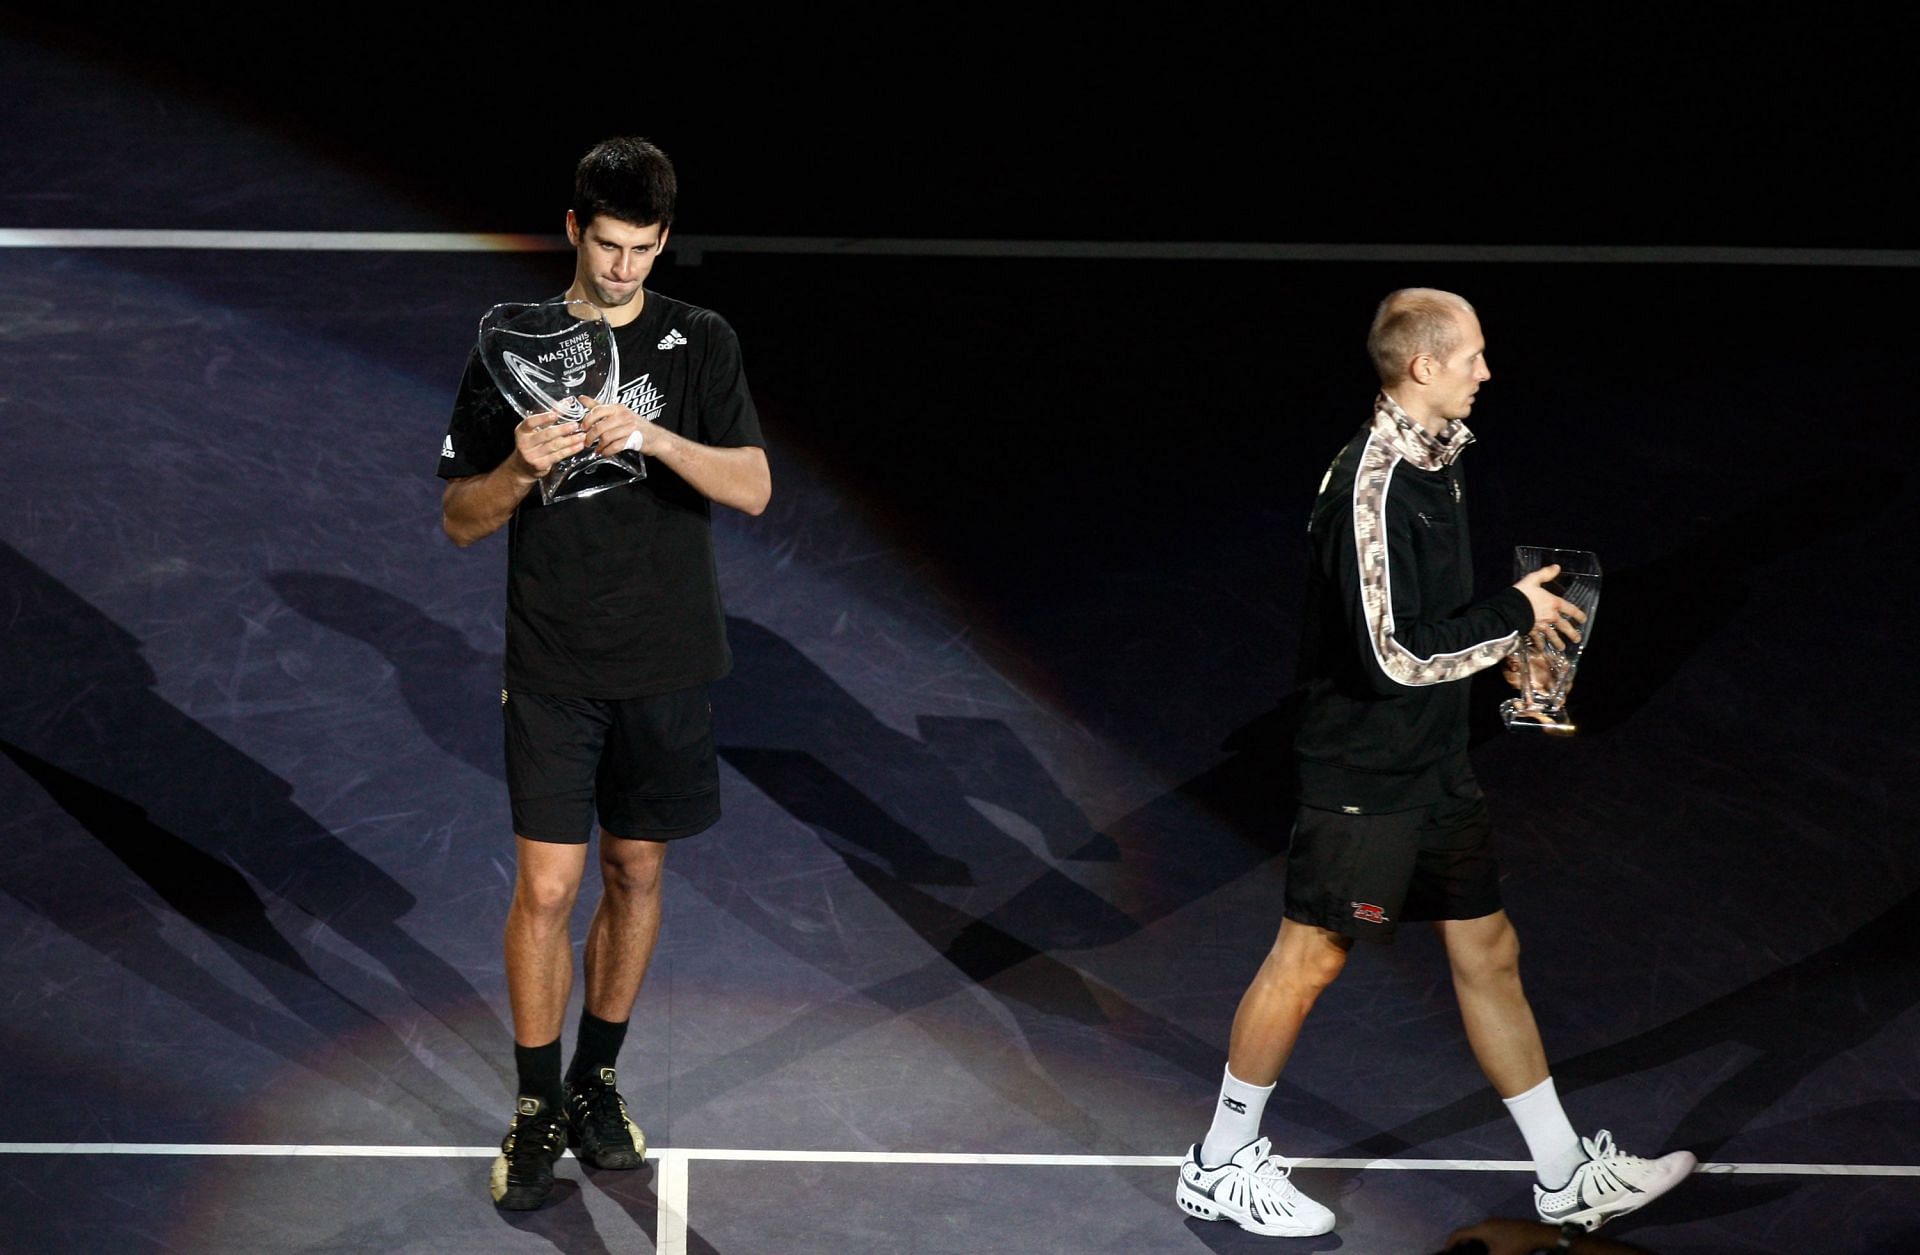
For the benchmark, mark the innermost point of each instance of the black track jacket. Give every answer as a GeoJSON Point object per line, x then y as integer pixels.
{"type": "Point", "coordinates": [1390, 625]}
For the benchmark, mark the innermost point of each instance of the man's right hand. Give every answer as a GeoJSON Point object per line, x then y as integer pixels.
{"type": "Point", "coordinates": [542, 441]}
{"type": "Point", "coordinates": [1553, 617]}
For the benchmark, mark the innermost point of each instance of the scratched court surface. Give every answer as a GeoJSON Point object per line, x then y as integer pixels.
{"type": "Point", "coordinates": [1003, 749]}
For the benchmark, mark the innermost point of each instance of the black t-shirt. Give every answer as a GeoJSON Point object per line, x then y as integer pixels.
{"type": "Point", "coordinates": [614, 595]}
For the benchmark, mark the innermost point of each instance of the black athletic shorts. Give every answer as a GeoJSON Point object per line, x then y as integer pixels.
{"type": "Point", "coordinates": [644, 766]}
{"type": "Point", "coordinates": [1360, 875]}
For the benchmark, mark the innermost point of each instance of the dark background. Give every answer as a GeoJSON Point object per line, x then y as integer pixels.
{"type": "Point", "coordinates": [1730, 127]}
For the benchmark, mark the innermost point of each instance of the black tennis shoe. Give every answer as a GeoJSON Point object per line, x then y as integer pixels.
{"type": "Point", "coordinates": [523, 1172]}
{"type": "Point", "coordinates": [603, 1134]}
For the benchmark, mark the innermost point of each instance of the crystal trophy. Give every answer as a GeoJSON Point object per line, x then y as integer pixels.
{"type": "Point", "coordinates": [1548, 658]}
{"type": "Point", "coordinates": [554, 361]}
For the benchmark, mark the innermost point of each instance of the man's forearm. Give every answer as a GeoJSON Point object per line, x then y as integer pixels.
{"type": "Point", "coordinates": [479, 505]}
{"type": "Point", "coordinates": [733, 477]}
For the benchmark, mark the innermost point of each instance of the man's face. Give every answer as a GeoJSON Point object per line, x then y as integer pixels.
{"type": "Point", "coordinates": [1454, 380]}
{"type": "Point", "coordinates": [613, 258]}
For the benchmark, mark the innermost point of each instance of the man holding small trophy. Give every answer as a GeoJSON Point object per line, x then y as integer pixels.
{"type": "Point", "coordinates": [629, 413]}
{"type": "Point", "coordinates": [1391, 825]}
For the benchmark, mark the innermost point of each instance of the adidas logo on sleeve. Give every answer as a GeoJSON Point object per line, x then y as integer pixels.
{"type": "Point", "coordinates": [446, 446]}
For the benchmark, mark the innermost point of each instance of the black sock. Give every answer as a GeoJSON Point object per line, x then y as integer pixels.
{"type": "Point", "coordinates": [539, 1069]}
{"type": "Point", "coordinates": [597, 1047]}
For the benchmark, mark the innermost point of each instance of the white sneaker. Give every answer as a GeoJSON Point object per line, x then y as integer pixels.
{"type": "Point", "coordinates": [1254, 1191]}
{"type": "Point", "coordinates": [1610, 1183]}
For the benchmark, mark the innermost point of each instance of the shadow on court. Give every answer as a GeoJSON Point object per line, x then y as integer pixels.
{"type": "Point", "coordinates": [930, 825]}
{"type": "Point", "coordinates": [172, 815]}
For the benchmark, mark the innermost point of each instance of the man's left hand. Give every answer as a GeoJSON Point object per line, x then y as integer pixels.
{"type": "Point", "coordinates": [607, 428]}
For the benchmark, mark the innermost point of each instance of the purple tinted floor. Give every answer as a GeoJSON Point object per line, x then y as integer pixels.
{"type": "Point", "coordinates": [1001, 756]}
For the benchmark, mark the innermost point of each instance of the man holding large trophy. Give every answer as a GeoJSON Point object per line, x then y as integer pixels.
{"type": "Point", "coordinates": [1391, 825]}
{"type": "Point", "coordinates": [629, 413]}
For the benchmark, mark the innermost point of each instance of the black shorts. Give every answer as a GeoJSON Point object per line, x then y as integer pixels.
{"type": "Point", "coordinates": [644, 765]}
{"type": "Point", "coordinates": [1360, 875]}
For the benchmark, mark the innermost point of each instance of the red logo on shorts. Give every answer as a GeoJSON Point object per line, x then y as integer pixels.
{"type": "Point", "coordinates": [1369, 912]}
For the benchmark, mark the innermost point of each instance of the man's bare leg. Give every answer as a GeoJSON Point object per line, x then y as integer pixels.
{"type": "Point", "coordinates": [625, 925]}
{"type": "Point", "coordinates": [1304, 960]}
{"type": "Point", "coordinates": [1225, 1177]}
{"type": "Point", "coordinates": [626, 922]}
{"type": "Point", "coordinates": [1485, 956]}
{"type": "Point", "coordinates": [538, 949]}
{"type": "Point", "coordinates": [539, 974]}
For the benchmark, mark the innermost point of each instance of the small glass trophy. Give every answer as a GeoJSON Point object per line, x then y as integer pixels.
{"type": "Point", "coordinates": [1548, 659]}
{"type": "Point", "coordinates": [555, 360]}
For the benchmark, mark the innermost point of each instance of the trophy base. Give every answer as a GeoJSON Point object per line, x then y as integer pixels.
{"type": "Point", "coordinates": [1522, 718]}
{"type": "Point", "coordinates": [585, 475]}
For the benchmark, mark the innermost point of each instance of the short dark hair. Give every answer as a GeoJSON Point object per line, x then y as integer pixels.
{"type": "Point", "coordinates": [625, 178]}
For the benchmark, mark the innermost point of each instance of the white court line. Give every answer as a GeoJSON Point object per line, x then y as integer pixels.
{"type": "Point", "coordinates": [671, 1165]}
{"type": "Point", "coordinates": [670, 1188]}
{"type": "Point", "coordinates": [228, 1148]}
{"type": "Point", "coordinates": [679, 1156]}
{"type": "Point", "coordinates": [689, 249]}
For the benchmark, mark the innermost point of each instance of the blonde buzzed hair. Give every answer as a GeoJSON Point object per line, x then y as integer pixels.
{"type": "Point", "coordinates": [1410, 322]}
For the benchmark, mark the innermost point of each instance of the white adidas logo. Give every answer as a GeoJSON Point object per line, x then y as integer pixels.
{"type": "Point", "coordinates": [672, 340]}
{"type": "Point", "coordinates": [446, 446]}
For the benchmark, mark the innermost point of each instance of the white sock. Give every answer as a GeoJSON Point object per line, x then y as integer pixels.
{"type": "Point", "coordinates": [1551, 1141]}
{"type": "Point", "coordinates": [1236, 1119]}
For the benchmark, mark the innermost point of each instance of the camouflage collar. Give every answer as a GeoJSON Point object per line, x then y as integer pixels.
{"type": "Point", "coordinates": [1412, 441]}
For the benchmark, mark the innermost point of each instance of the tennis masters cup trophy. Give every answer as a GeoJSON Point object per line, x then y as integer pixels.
{"type": "Point", "coordinates": [554, 361]}
{"type": "Point", "coordinates": [1548, 659]}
